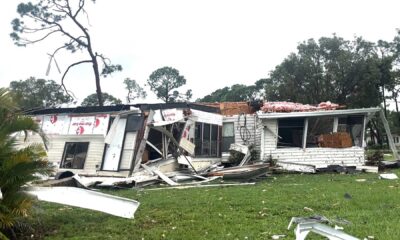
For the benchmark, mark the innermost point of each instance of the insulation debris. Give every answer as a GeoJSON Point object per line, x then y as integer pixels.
{"type": "Point", "coordinates": [297, 107]}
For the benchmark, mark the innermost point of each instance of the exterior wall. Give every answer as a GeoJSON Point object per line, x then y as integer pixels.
{"type": "Point", "coordinates": [252, 124]}
{"type": "Point", "coordinates": [320, 157]}
{"type": "Point", "coordinates": [94, 155]}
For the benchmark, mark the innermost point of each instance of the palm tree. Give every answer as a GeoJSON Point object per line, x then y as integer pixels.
{"type": "Point", "coordinates": [18, 166]}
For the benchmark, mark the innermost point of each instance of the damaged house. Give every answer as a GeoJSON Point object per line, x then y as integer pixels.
{"type": "Point", "coordinates": [305, 137]}
{"type": "Point", "coordinates": [116, 140]}
{"type": "Point", "coordinates": [240, 126]}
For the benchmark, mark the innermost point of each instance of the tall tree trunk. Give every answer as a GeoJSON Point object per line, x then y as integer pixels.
{"type": "Point", "coordinates": [378, 133]}
{"type": "Point", "coordinates": [97, 78]}
{"type": "Point", "coordinates": [166, 94]}
{"type": "Point", "coordinates": [93, 57]}
{"type": "Point", "coordinates": [372, 133]}
{"type": "Point", "coordinates": [384, 99]}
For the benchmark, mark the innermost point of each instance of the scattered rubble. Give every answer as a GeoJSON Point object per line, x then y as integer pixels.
{"type": "Point", "coordinates": [305, 225]}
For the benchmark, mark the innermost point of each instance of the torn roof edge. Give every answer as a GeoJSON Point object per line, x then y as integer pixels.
{"type": "Point", "coordinates": [274, 115]}
{"type": "Point", "coordinates": [118, 108]}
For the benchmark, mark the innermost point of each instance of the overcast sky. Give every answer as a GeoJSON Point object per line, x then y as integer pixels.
{"type": "Point", "coordinates": [213, 43]}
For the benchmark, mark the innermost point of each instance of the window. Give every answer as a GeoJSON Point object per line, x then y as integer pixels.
{"type": "Point", "coordinates": [318, 126]}
{"type": "Point", "coordinates": [74, 155]}
{"type": "Point", "coordinates": [290, 132]}
{"type": "Point", "coordinates": [206, 140]}
{"type": "Point", "coordinates": [228, 136]}
{"type": "Point", "coordinates": [354, 126]}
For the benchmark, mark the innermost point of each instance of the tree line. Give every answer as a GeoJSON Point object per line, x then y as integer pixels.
{"type": "Point", "coordinates": [355, 73]}
{"type": "Point", "coordinates": [40, 93]}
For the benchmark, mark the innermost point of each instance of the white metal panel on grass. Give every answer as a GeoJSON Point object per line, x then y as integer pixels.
{"type": "Point", "coordinates": [78, 197]}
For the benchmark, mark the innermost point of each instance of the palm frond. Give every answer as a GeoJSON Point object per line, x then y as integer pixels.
{"type": "Point", "coordinates": [6, 101]}
{"type": "Point", "coordinates": [18, 166]}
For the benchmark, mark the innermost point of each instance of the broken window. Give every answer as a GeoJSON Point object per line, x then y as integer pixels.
{"type": "Point", "coordinates": [206, 140]}
{"type": "Point", "coordinates": [155, 138]}
{"type": "Point", "coordinates": [290, 132]}
{"type": "Point", "coordinates": [318, 126]}
{"type": "Point", "coordinates": [228, 136]}
{"type": "Point", "coordinates": [354, 126]}
{"type": "Point", "coordinates": [74, 155]}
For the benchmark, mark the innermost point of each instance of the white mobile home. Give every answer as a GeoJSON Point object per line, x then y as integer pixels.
{"type": "Point", "coordinates": [298, 137]}
{"type": "Point", "coordinates": [106, 141]}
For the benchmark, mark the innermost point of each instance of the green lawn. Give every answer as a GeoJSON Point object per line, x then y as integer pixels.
{"type": "Point", "coordinates": [239, 212]}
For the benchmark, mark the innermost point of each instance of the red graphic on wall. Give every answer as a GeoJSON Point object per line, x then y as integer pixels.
{"type": "Point", "coordinates": [80, 130]}
{"type": "Point", "coordinates": [53, 119]}
{"type": "Point", "coordinates": [96, 122]}
{"type": "Point", "coordinates": [186, 132]}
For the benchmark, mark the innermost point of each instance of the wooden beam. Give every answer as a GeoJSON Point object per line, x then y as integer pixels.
{"type": "Point", "coordinates": [142, 146]}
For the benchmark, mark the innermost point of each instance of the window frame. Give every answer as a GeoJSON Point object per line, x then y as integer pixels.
{"type": "Point", "coordinates": [281, 125]}
{"type": "Point", "coordinates": [64, 156]}
{"type": "Point", "coordinates": [200, 141]}
{"type": "Point", "coordinates": [231, 138]}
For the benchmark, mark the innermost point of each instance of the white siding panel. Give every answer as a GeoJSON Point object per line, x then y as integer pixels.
{"type": "Point", "coordinates": [252, 125]}
{"type": "Point", "coordinates": [270, 128]}
{"type": "Point", "coordinates": [94, 155]}
{"type": "Point", "coordinates": [321, 157]}
{"type": "Point", "coordinates": [128, 150]}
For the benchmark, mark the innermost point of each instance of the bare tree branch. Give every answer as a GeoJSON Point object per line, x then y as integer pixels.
{"type": "Point", "coordinates": [26, 41]}
{"type": "Point", "coordinates": [81, 4]}
{"type": "Point", "coordinates": [34, 30]}
{"type": "Point", "coordinates": [72, 65]}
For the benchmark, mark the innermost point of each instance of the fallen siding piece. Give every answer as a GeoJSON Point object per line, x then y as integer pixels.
{"type": "Point", "coordinates": [242, 149]}
{"type": "Point", "coordinates": [202, 186]}
{"type": "Point", "coordinates": [245, 159]}
{"type": "Point", "coordinates": [78, 197]}
{"type": "Point", "coordinates": [165, 178]}
{"type": "Point", "coordinates": [303, 229]}
{"type": "Point", "coordinates": [239, 148]}
{"type": "Point", "coordinates": [317, 218]}
{"type": "Point", "coordinates": [100, 181]}
{"type": "Point", "coordinates": [389, 176]}
{"type": "Point", "coordinates": [368, 169]}
{"type": "Point", "coordinates": [296, 167]}
{"type": "Point", "coordinates": [244, 172]}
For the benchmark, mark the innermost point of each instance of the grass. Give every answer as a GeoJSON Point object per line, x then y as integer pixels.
{"type": "Point", "coordinates": [241, 212]}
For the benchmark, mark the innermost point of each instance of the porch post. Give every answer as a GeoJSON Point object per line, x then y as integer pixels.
{"type": "Point", "coordinates": [335, 124]}
{"type": "Point", "coordinates": [305, 133]}
{"type": "Point", "coordinates": [363, 131]}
